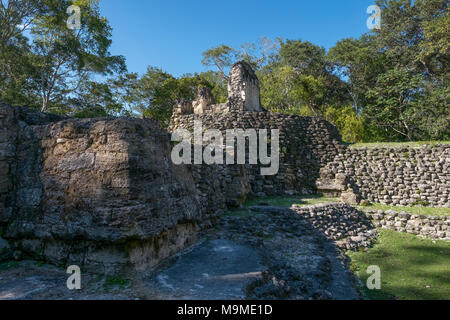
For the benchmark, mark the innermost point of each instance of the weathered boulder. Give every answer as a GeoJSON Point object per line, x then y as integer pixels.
{"type": "Point", "coordinates": [243, 88]}
{"type": "Point", "coordinates": [349, 197]}
{"type": "Point", "coordinates": [100, 193]}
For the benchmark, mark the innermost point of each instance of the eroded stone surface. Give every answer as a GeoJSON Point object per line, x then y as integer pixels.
{"type": "Point", "coordinates": [203, 101]}
{"type": "Point", "coordinates": [98, 192]}
{"type": "Point", "coordinates": [243, 88]}
{"type": "Point", "coordinates": [214, 269]}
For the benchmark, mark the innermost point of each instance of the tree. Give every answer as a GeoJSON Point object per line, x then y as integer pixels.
{"type": "Point", "coordinates": [95, 99]}
{"type": "Point", "coordinates": [398, 76]}
{"type": "Point", "coordinates": [394, 103]}
{"type": "Point", "coordinates": [65, 56]}
{"type": "Point", "coordinates": [15, 17]}
{"type": "Point", "coordinates": [281, 90]}
{"type": "Point", "coordinates": [16, 69]}
{"type": "Point", "coordinates": [357, 61]}
{"type": "Point", "coordinates": [321, 87]}
{"type": "Point", "coordinates": [157, 92]}
{"type": "Point", "coordinates": [221, 57]}
{"type": "Point", "coordinates": [257, 54]}
{"type": "Point", "coordinates": [219, 85]}
{"type": "Point", "coordinates": [305, 57]}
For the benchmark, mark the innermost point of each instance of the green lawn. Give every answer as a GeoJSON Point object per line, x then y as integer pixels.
{"type": "Point", "coordinates": [396, 144]}
{"type": "Point", "coordinates": [287, 201]}
{"type": "Point", "coordinates": [411, 267]}
{"type": "Point", "coordinates": [429, 211]}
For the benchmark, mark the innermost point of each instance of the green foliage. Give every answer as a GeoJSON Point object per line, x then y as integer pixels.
{"type": "Point", "coordinates": [221, 57]}
{"type": "Point", "coordinates": [398, 76]}
{"type": "Point", "coordinates": [219, 85]}
{"type": "Point", "coordinates": [394, 103]}
{"type": "Point", "coordinates": [115, 281]}
{"type": "Point", "coordinates": [9, 265]}
{"type": "Point", "coordinates": [281, 90]}
{"type": "Point", "coordinates": [349, 124]}
{"type": "Point", "coordinates": [52, 64]}
{"type": "Point", "coordinates": [157, 92]}
{"type": "Point", "coordinates": [393, 82]}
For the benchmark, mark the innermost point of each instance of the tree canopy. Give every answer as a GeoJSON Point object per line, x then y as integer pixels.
{"type": "Point", "coordinates": [391, 83]}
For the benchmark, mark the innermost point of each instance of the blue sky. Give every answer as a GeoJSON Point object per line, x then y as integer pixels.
{"type": "Point", "coordinates": [173, 34]}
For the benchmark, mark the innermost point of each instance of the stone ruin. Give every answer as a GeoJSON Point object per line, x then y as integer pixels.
{"type": "Point", "coordinates": [243, 94]}
{"type": "Point", "coordinates": [243, 88]}
{"type": "Point", "coordinates": [204, 101]}
{"type": "Point", "coordinates": [104, 194]}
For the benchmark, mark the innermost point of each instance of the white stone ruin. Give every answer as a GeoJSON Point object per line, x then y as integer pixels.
{"type": "Point", "coordinates": [243, 94]}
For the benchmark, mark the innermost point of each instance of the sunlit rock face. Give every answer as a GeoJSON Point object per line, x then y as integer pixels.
{"type": "Point", "coordinates": [204, 100]}
{"type": "Point", "coordinates": [183, 107]}
{"type": "Point", "coordinates": [243, 88]}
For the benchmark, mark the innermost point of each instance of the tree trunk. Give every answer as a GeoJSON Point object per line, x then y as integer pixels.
{"type": "Point", "coordinates": [44, 104]}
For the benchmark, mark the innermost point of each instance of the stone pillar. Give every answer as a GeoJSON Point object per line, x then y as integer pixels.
{"type": "Point", "coordinates": [243, 88]}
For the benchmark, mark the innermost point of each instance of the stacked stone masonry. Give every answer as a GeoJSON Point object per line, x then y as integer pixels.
{"type": "Point", "coordinates": [396, 176]}
{"type": "Point", "coordinates": [434, 227]}
{"type": "Point", "coordinates": [347, 226]}
{"type": "Point", "coordinates": [306, 144]}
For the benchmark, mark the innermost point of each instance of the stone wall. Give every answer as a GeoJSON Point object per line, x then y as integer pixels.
{"type": "Point", "coordinates": [306, 144]}
{"type": "Point", "coordinates": [396, 176]}
{"type": "Point", "coordinates": [349, 227]}
{"type": "Point", "coordinates": [434, 227]}
{"type": "Point", "coordinates": [243, 88]}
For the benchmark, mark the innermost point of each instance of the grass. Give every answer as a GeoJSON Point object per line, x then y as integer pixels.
{"type": "Point", "coordinates": [396, 144]}
{"type": "Point", "coordinates": [411, 268]}
{"type": "Point", "coordinates": [418, 210]}
{"type": "Point", "coordinates": [115, 281]}
{"type": "Point", "coordinates": [8, 265]}
{"type": "Point", "coordinates": [287, 201]}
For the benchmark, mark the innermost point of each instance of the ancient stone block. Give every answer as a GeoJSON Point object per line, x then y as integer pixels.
{"type": "Point", "coordinates": [184, 107]}
{"type": "Point", "coordinates": [203, 101]}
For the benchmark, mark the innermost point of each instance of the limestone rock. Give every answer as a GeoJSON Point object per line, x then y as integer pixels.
{"type": "Point", "coordinates": [183, 107]}
{"type": "Point", "coordinates": [96, 192]}
{"type": "Point", "coordinates": [349, 197]}
{"type": "Point", "coordinates": [203, 101]}
{"type": "Point", "coordinates": [243, 88]}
